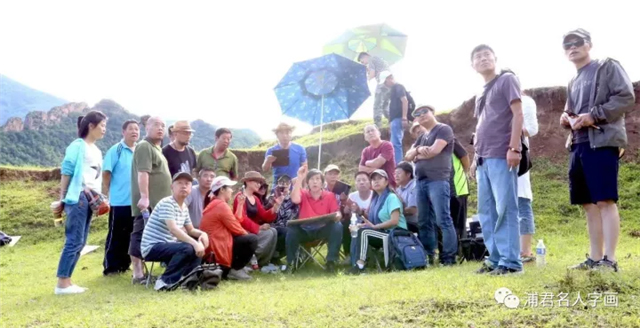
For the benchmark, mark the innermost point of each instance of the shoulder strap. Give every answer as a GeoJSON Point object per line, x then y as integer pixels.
{"type": "Point", "coordinates": [118, 153]}
{"type": "Point", "coordinates": [480, 103]}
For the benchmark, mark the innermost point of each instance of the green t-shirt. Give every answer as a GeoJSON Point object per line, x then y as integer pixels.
{"type": "Point", "coordinates": [391, 204]}
{"type": "Point", "coordinates": [148, 158]}
{"type": "Point", "coordinates": [226, 166]}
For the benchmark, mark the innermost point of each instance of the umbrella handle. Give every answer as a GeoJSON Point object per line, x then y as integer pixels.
{"type": "Point", "coordinates": [321, 119]}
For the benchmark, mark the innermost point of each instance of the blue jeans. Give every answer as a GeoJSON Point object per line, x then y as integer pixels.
{"type": "Point", "coordinates": [76, 231]}
{"type": "Point", "coordinates": [180, 257]}
{"type": "Point", "coordinates": [397, 133]}
{"type": "Point", "coordinates": [331, 232]}
{"type": "Point", "coordinates": [434, 208]}
{"type": "Point", "coordinates": [525, 216]}
{"type": "Point", "coordinates": [498, 212]}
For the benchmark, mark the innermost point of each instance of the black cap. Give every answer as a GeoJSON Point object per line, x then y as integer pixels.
{"type": "Point", "coordinates": [182, 175]}
{"type": "Point", "coordinates": [284, 177]}
{"type": "Point", "coordinates": [581, 33]}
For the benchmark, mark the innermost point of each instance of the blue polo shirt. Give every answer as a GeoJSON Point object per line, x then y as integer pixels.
{"type": "Point", "coordinates": [120, 167]}
{"type": "Point", "coordinates": [297, 156]}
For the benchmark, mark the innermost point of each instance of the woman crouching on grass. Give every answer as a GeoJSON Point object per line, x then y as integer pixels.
{"type": "Point", "coordinates": [81, 173]}
{"type": "Point", "coordinates": [385, 214]}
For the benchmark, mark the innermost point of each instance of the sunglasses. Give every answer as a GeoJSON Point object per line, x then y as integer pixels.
{"type": "Point", "coordinates": [420, 113]}
{"type": "Point", "coordinates": [577, 43]}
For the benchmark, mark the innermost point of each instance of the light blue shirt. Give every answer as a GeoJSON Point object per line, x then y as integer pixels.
{"type": "Point", "coordinates": [408, 194]}
{"type": "Point", "coordinates": [391, 204]}
{"type": "Point", "coordinates": [297, 156]}
{"type": "Point", "coordinates": [120, 167]}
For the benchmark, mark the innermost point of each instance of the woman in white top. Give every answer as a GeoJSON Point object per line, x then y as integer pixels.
{"type": "Point", "coordinates": [525, 196]}
{"type": "Point", "coordinates": [81, 172]}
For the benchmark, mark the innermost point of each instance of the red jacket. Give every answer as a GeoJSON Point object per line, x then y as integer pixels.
{"type": "Point", "coordinates": [221, 226]}
{"type": "Point", "coordinates": [253, 225]}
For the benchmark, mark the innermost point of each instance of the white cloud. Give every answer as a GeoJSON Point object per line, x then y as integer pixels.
{"type": "Point", "coordinates": [220, 61]}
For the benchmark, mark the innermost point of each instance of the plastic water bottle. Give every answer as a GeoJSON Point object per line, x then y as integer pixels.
{"type": "Point", "coordinates": [541, 253]}
{"type": "Point", "coordinates": [254, 262]}
{"type": "Point", "coordinates": [353, 226]}
{"type": "Point", "coordinates": [145, 216]}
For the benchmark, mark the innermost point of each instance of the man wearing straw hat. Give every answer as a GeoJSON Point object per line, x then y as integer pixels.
{"type": "Point", "coordinates": [297, 155]}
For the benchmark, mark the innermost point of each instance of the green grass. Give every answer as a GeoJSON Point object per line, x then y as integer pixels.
{"type": "Point", "coordinates": [436, 297]}
{"type": "Point", "coordinates": [27, 167]}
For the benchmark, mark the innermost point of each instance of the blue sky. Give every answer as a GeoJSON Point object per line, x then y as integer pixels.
{"type": "Point", "coordinates": [220, 61]}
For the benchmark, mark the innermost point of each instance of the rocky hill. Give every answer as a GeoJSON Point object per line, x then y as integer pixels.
{"type": "Point", "coordinates": [43, 136]}
{"type": "Point", "coordinates": [345, 151]}
{"type": "Point", "coordinates": [16, 100]}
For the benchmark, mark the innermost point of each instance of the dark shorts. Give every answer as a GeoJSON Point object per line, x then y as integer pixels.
{"type": "Point", "coordinates": [593, 174]}
{"type": "Point", "coordinates": [136, 237]}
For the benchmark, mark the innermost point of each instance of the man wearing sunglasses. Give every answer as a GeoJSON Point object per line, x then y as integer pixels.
{"type": "Point", "coordinates": [598, 98]}
{"type": "Point", "coordinates": [432, 156]}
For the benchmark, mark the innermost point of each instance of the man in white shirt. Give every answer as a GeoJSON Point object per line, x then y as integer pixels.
{"type": "Point", "coordinates": [525, 196]}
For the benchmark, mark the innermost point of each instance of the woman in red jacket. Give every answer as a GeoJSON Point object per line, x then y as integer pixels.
{"type": "Point", "coordinates": [231, 245]}
{"type": "Point", "coordinates": [255, 219]}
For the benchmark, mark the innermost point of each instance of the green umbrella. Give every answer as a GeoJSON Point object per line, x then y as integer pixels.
{"type": "Point", "coordinates": [378, 40]}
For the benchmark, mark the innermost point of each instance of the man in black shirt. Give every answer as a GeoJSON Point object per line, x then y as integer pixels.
{"type": "Point", "coordinates": [398, 108]}
{"type": "Point", "coordinates": [180, 156]}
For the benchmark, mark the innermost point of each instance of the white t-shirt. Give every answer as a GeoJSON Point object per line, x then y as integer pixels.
{"type": "Point", "coordinates": [531, 124]}
{"type": "Point", "coordinates": [92, 168]}
{"type": "Point", "coordinates": [363, 204]}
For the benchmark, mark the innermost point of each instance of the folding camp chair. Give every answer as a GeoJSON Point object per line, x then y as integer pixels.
{"type": "Point", "coordinates": [149, 272]}
{"type": "Point", "coordinates": [308, 252]}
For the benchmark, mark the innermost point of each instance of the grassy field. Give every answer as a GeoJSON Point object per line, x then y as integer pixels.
{"type": "Point", "coordinates": [435, 297]}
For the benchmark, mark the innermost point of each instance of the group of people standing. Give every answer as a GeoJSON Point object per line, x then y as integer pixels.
{"type": "Point", "coordinates": [171, 205]}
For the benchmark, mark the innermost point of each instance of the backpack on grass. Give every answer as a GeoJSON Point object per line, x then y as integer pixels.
{"type": "Point", "coordinates": [406, 251]}
{"type": "Point", "coordinates": [205, 276]}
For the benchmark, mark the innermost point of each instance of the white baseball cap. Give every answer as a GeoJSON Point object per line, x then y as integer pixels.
{"type": "Point", "coordinates": [383, 76]}
{"type": "Point", "coordinates": [220, 182]}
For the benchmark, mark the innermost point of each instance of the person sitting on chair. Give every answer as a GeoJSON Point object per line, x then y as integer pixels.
{"type": "Point", "coordinates": [385, 214]}
{"type": "Point", "coordinates": [255, 219]}
{"type": "Point", "coordinates": [230, 244]}
{"type": "Point", "coordinates": [314, 201]}
{"type": "Point", "coordinates": [170, 237]}
{"type": "Point", "coordinates": [287, 211]}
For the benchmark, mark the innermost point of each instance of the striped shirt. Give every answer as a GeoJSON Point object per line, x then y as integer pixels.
{"type": "Point", "coordinates": [156, 231]}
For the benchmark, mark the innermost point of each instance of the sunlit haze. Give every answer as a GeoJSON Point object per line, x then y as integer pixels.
{"type": "Point", "coordinates": [219, 61]}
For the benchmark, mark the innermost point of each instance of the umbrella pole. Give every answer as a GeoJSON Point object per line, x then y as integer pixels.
{"type": "Point", "coordinates": [321, 119]}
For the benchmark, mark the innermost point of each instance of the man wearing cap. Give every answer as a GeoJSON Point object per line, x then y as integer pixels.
{"type": "Point", "coordinates": [296, 157]}
{"type": "Point", "coordinates": [598, 98]}
{"type": "Point", "coordinates": [398, 111]}
{"type": "Point", "coordinates": [314, 201]}
{"type": "Point", "coordinates": [432, 156]}
{"type": "Point", "coordinates": [219, 156]}
{"type": "Point", "coordinates": [150, 182]}
{"type": "Point", "coordinates": [378, 155]}
{"type": "Point", "coordinates": [180, 156]}
{"type": "Point", "coordinates": [170, 237]}
{"type": "Point", "coordinates": [375, 65]}
{"type": "Point", "coordinates": [116, 183]}
{"type": "Point", "coordinates": [498, 145]}
{"type": "Point", "coordinates": [200, 195]}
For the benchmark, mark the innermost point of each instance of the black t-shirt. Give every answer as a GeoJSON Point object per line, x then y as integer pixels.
{"type": "Point", "coordinates": [252, 209]}
{"type": "Point", "coordinates": [179, 161]}
{"type": "Point", "coordinates": [395, 105]}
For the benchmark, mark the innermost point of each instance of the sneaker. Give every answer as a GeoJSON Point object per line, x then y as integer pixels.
{"type": "Point", "coordinates": [331, 267]}
{"type": "Point", "coordinates": [527, 258]}
{"type": "Point", "coordinates": [73, 289]}
{"type": "Point", "coordinates": [238, 275]}
{"type": "Point", "coordinates": [270, 268]}
{"type": "Point", "coordinates": [485, 269]}
{"type": "Point", "coordinates": [248, 269]}
{"type": "Point", "coordinates": [355, 270]}
{"type": "Point", "coordinates": [502, 270]}
{"type": "Point", "coordinates": [606, 264]}
{"type": "Point", "coordinates": [160, 285]}
{"type": "Point", "coordinates": [586, 265]}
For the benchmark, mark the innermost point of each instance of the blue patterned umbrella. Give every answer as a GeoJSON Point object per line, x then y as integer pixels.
{"type": "Point", "coordinates": [323, 90]}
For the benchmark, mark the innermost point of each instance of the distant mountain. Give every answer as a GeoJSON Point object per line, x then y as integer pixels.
{"type": "Point", "coordinates": [16, 100]}
{"type": "Point", "coordinates": [42, 137]}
